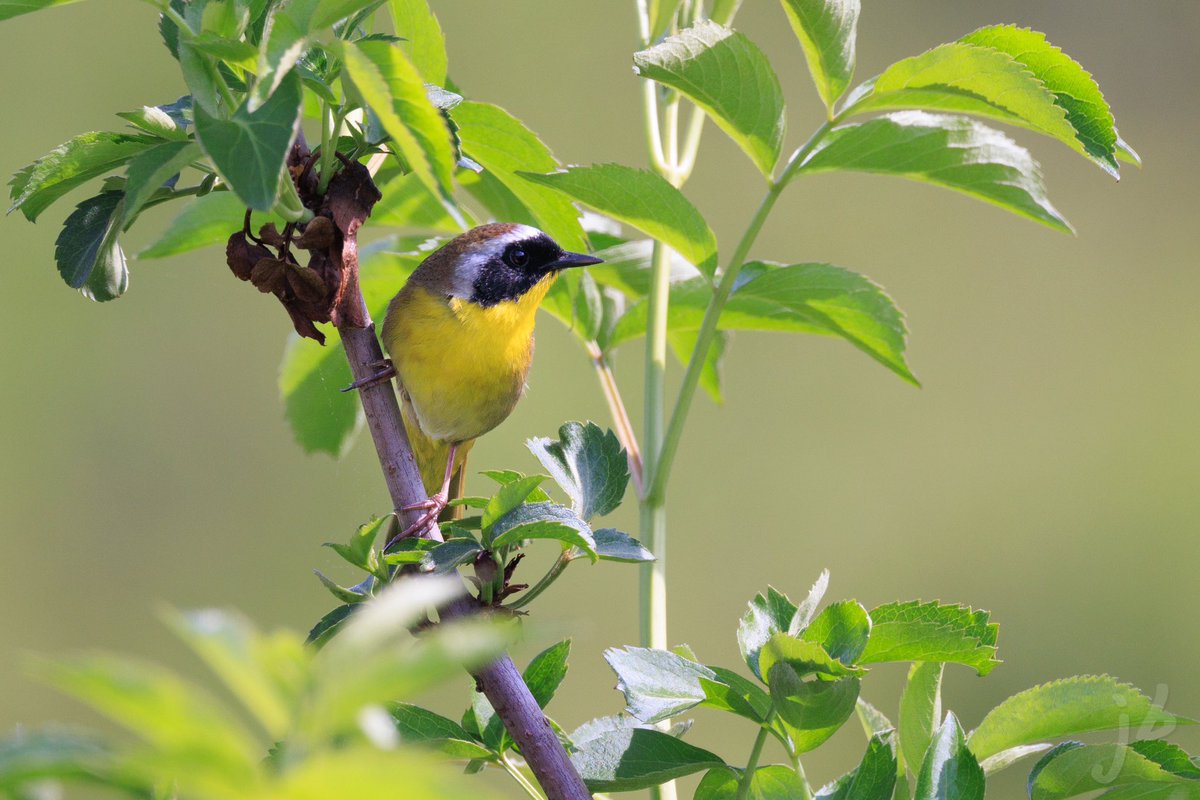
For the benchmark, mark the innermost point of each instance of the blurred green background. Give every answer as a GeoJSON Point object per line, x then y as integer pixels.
{"type": "Point", "coordinates": [1049, 470]}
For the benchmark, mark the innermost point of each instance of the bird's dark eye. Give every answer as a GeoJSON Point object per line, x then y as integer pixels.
{"type": "Point", "coordinates": [516, 257]}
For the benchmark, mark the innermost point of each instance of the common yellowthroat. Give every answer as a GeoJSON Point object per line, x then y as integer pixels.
{"type": "Point", "coordinates": [460, 337]}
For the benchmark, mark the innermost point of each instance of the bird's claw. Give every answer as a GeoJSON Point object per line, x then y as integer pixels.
{"type": "Point", "coordinates": [386, 370]}
{"type": "Point", "coordinates": [433, 507]}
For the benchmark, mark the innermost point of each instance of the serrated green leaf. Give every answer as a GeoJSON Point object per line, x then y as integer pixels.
{"type": "Point", "coordinates": [842, 629]}
{"type": "Point", "coordinates": [69, 165]}
{"type": "Point", "coordinates": [949, 771]}
{"type": "Point", "coordinates": [52, 754]}
{"type": "Point", "coordinates": [724, 73]}
{"type": "Point", "coordinates": [510, 496]}
{"type": "Point", "coordinates": [157, 121]}
{"type": "Point", "coordinates": [643, 200]}
{"type": "Point", "coordinates": [953, 152]}
{"type": "Point", "coordinates": [1169, 756]}
{"type": "Point", "coordinates": [407, 203]}
{"type": "Point", "coordinates": [261, 671]}
{"type": "Point", "coordinates": [322, 419]}
{"type": "Point", "coordinates": [284, 41]}
{"type": "Point", "coordinates": [203, 222]}
{"type": "Point", "coordinates": [961, 77]}
{"type": "Point", "coordinates": [920, 710]}
{"type": "Point", "coordinates": [330, 625]}
{"type": "Point", "coordinates": [543, 521]}
{"type": "Point", "coordinates": [339, 592]}
{"type": "Point", "coordinates": [171, 714]}
{"type": "Point", "coordinates": [804, 613]}
{"type": "Point", "coordinates": [420, 726]}
{"type": "Point", "coordinates": [828, 30]}
{"type": "Point", "coordinates": [766, 616]}
{"type": "Point", "coordinates": [811, 710]}
{"type": "Point", "coordinates": [873, 779]}
{"type": "Point", "coordinates": [809, 658]}
{"type": "Point", "coordinates": [615, 545]}
{"type": "Point", "coordinates": [546, 672]}
{"type": "Point", "coordinates": [87, 252]}
{"type": "Point", "coordinates": [360, 550]}
{"type": "Point", "coordinates": [657, 684]}
{"type": "Point", "coordinates": [636, 758]}
{"type": "Point", "coordinates": [916, 631]}
{"type": "Point", "coordinates": [1064, 708]}
{"type": "Point", "coordinates": [150, 170]}
{"type": "Point", "coordinates": [800, 298]}
{"type": "Point", "coordinates": [396, 93]}
{"type": "Point", "coordinates": [423, 39]}
{"type": "Point", "coordinates": [507, 476]}
{"type": "Point", "coordinates": [15, 8]}
{"type": "Point", "coordinates": [450, 555]}
{"type": "Point", "coordinates": [772, 782]}
{"type": "Point", "coordinates": [589, 464]}
{"type": "Point", "coordinates": [249, 148]}
{"type": "Point", "coordinates": [1073, 88]}
{"type": "Point", "coordinates": [1073, 769]}
{"type": "Point", "coordinates": [873, 720]}
{"type": "Point", "coordinates": [502, 145]}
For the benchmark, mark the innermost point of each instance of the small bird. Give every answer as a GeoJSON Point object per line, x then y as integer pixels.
{"type": "Point", "coordinates": [460, 337]}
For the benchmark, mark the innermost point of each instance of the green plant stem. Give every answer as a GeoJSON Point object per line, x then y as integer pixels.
{"type": "Point", "coordinates": [521, 780]}
{"type": "Point", "coordinates": [546, 580]}
{"type": "Point", "coordinates": [752, 765]}
{"type": "Point", "coordinates": [805, 789]}
{"type": "Point", "coordinates": [659, 472]}
{"type": "Point", "coordinates": [327, 150]}
{"type": "Point", "coordinates": [653, 510]}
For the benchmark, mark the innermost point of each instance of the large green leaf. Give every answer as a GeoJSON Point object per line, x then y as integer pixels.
{"type": "Point", "coordinates": [543, 521]}
{"type": "Point", "coordinates": [28, 756]}
{"type": "Point", "coordinates": [1073, 88]}
{"type": "Point", "coordinates": [14, 8]}
{"type": "Point", "coordinates": [284, 41]}
{"type": "Point", "coordinates": [949, 771]}
{"type": "Point", "coordinates": [423, 39]}
{"type": "Point", "coordinates": [625, 759]}
{"type": "Point", "coordinates": [1066, 708]}
{"type": "Point", "coordinates": [162, 709]}
{"type": "Point", "coordinates": [546, 672]}
{"type": "Point", "coordinates": [842, 629]}
{"type": "Point", "coordinates": [641, 199]}
{"type": "Point", "coordinates": [916, 631]}
{"type": "Point", "coordinates": [873, 779]}
{"type": "Point", "coordinates": [827, 29]}
{"type": "Point", "coordinates": [977, 79]}
{"type": "Point", "coordinates": [800, 298]}
{"type": "Point", "coordinates": [657, 684]}
{"type": "Point", "coordinates": [249, 149]}
{"type": "Point", "coordinates": [150, 170]}
{"type": "Point", "coordinates": [1073, 769]}
{"type": "Point", "coordinates": [394, 89]}
{"type": "Point", "coordinates": [920, 710]}
{"type": "Point", "coordinates": [725, 74]}
{"type": "Point", "coordinates": [203, 222]}
{"type": "Point", "coordinates": [590, 465]}
{"type": "Point", "coordinates": [773, 782]}
{"type": "Point", "coordinates": [87, 252]}
{"type": "Point", "coordinates": [69, 165]}
{"type": "Point", "coordinates": [417, 725]}
{"type": "Point", "coordinates": [954, 152]}
{"type": "Point", "coordinates": [265, 673]}
{"type": "Point", "coordinates": [767, 615]}
{"type": "Point", "coordinates": [502, 145]}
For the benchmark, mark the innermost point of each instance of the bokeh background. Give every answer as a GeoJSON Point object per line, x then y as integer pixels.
{"type": "Point", "coordinates": [1049, 470]}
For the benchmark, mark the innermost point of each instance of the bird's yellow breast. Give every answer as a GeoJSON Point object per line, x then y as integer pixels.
{"type": "Point", "coordinates": [462, 366]}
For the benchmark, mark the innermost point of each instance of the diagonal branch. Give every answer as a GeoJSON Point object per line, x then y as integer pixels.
{"type": "Point", "coordinates": [499, 681]}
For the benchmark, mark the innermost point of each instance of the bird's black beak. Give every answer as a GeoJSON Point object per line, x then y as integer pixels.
{"type": "Point", "coordinates": [567, 260]}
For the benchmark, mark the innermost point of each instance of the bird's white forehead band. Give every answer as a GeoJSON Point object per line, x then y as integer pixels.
{"type": "Point", "coordinates": [467, 270]}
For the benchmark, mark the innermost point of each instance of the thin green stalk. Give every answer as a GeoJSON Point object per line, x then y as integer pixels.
{"type": "Point", "coordinates": [542, 585]}
{"type": "Point", "coordinates": [654, 513]}
{"type": "Point", "coordinates": [743, 789]}
{"type": "Point", "coordinates": [805, 789]}
{"type": "Point", "coordinates": [521, 780]}
{"type": "Point", "coordinates": [660, 470]}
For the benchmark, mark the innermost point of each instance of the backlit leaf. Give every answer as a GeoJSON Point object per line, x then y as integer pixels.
{"type": "Point", "coordinates": [915, 631]}
{"type": "Point", "coordinates": [827, 30]}
{"type": "Point", "coordinates": [423, 39]}
{"type": "Point", "coordinates": [949, 771]}
{"type": "Point", "coordinates": [626, 759]}
{"type": "Point", "coordinates": [588, 463]}
{"type": "Point", "coordinates": [69, 165]}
